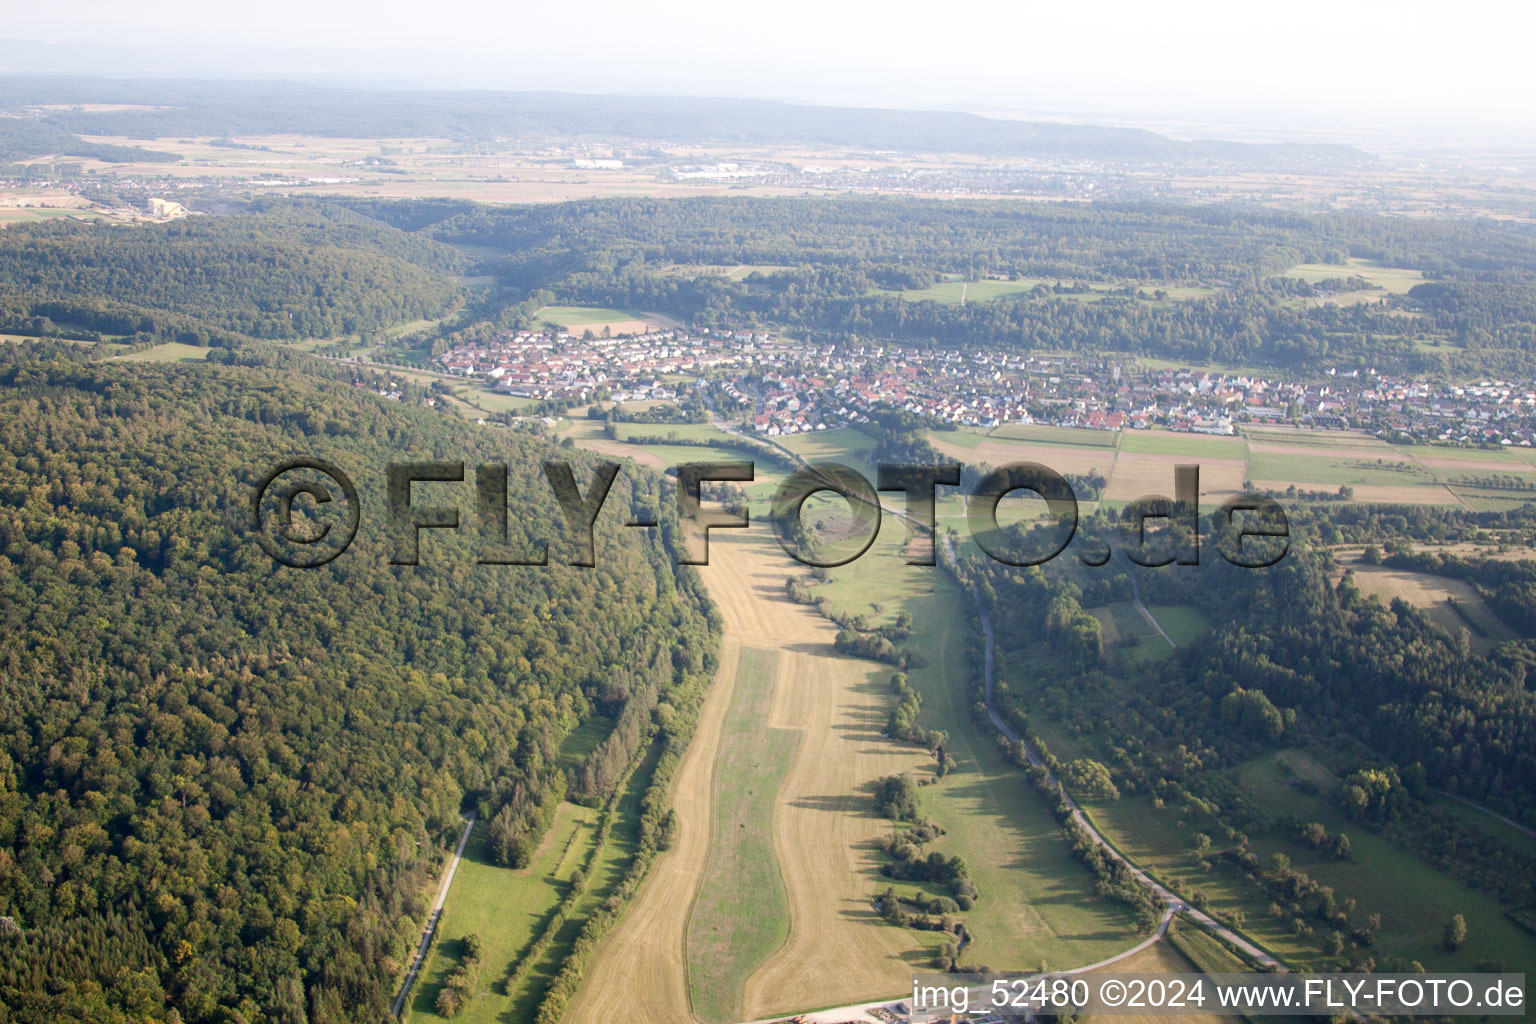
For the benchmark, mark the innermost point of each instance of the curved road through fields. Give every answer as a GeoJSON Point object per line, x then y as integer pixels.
{"type": "Point", "coordinates": [1171, 900]}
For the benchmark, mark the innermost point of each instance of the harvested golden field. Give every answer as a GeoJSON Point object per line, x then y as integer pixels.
{"type": "Point", "coordinates": [637, 972]}
{"type": "Point", "coordinates": [825, 829]}
{"type": "Point", "coordinates": [1419, 589]}
{"type": "Point", "coordinates": [1060, 457]}
{"type": "Point", "coordinates": [1158, 958]}
{"type": "Point", "coordinates": [588, 434]}
{"type": "Point", "coordinates": [614, 327]}
{"type": "Point", "coordinates": [824, 824]}
{"type": "Point", "coordinates": [1140, 473]}
{"type": "Point", "coordinates": [620, 450]}
{"type": "Point", "coordinates": [1451, 603]}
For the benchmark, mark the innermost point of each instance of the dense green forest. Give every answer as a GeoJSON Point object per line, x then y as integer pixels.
{"type": "Point", "coordinates": [277, 269]}
{"type": "Point", "coordinates": [330, 269]}
{"type": "Point", "coordinates": [224, 785]}
{"type": "Point", "coordinates": [848, 258]}
{"type": "Point", "coordinates": [1342, 662]}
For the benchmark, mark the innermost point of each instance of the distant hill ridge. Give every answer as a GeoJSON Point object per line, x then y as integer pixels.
{"type": "Point", "coordinates": [221, 108]}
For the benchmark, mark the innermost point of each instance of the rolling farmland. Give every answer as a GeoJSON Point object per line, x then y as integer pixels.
{"type": "Point", "coordinates": [1139, 462]}
{"type": "Point", "coordinates": [807, 882]}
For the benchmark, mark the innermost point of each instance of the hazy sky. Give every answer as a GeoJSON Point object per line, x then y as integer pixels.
{"type": "Point", "coordinates": [1400, 60]}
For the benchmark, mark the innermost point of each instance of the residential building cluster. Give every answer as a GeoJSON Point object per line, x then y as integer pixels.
{"type": "Point", "coordinates": [560, 365]}
{"type": "Point", "coordinates": [780, 386]}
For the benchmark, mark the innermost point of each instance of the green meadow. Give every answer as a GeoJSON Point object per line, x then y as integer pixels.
{"type": "Point", "coordinates": [1396, 280]}
{"type": "Point", "coordinates": [578, 316]}
{"type": "Point", "coordinates": [508, 908]}
{"type": "Point", "coordinates": [170, 352]}
{"type": "Point", "coordinates": [1164, 442]}
{"type": "Point", "coordinates": [1036, 901]}
{"type": "Point", "coordinates": [1386, 470]}
{"type": "Point", "coordinates": [741, 913]}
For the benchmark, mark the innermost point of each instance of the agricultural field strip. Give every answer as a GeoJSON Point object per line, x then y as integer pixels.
{"type": "Point", "coordinates": [638, 971]}
{"type": "Point", "coordinates": [741, 914]}
{"type": "Point", "coordinates": [1141, 462]}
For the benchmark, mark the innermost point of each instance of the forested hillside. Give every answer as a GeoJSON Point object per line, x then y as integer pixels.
{"type": "Point", "coordinates": [1341, 662]}
{"type": "Point", "coordinates": [226, 786]}
{"type": "Point", "coordinates": [1195, 283]}
{"type": "Point", "coordinates": [21, 138]}
{"type": "Point", "coordinates": [275, 269]}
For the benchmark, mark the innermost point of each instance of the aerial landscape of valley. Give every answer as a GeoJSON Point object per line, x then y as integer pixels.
{"type": "Point", "coordinates": [535, 554]}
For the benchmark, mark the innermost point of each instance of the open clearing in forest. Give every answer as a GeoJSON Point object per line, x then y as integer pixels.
{"type": "Point", "coordinates": [1394, 280]}
{"type": "Point", "coordinates": [1452, 604]}
{"type": "Point", "coordinates": [509, 907]}
{"type": "Point", "coordinates": [949, 293]}
{"type": "Point", "coordinates": [580, 319]}
{"type": "Point", "coordinates": [504, 906]}
{"type": "Point", "coordinates": [170, 352]}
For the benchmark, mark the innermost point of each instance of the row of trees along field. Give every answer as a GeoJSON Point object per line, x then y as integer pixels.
{"type": "Point", "coordinates": [840, 259]}
{"type": "Point", "coordinates": [226, 787]}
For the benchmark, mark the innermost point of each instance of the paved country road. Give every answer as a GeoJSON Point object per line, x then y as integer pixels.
{"type": "Point", "coordinates": [1169, 898]}
{"type": "Point", "coordinates": [437, 912]}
